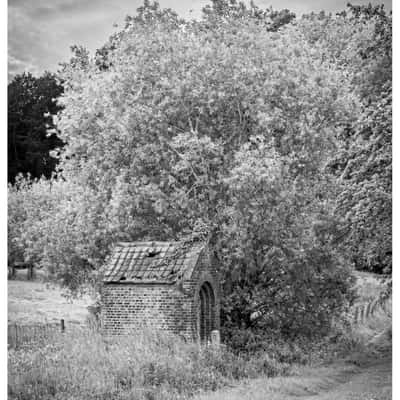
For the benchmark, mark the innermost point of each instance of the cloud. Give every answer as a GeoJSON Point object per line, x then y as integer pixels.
{"type": "Point", "coordinates": [16, 65]}
{"type": "Point", "coordinates": [40, 33]}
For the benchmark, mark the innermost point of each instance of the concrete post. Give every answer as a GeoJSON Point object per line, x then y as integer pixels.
{"type": "Point", "coordinates": [215, 338]}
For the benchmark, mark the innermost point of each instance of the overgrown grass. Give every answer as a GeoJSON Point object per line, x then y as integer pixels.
{"type": "Point", "coordinates": [149, 365]}
{"type": "Point", "coordinates": [143, 366]}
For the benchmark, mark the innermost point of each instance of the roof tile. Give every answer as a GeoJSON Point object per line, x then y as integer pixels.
{"type": "Point", "coordinates": [158, 262]}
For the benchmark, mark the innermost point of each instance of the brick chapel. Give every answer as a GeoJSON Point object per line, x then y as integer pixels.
{"type": "Point", "coordinates": [168, 286]}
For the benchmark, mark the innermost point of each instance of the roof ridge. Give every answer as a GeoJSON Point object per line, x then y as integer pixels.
{"type": "Point", "coordinates": [149, 243]}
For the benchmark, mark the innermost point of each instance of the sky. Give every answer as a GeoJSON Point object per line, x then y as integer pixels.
{"type": "Point", "coordinates": [40, 32]}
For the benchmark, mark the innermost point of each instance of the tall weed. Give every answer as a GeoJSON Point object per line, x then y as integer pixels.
{"type": "Point", "coordinates": [145, 365]}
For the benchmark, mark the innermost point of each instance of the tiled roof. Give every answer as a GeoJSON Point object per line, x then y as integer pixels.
{"type": "Point", "coordinates": [151, 262]}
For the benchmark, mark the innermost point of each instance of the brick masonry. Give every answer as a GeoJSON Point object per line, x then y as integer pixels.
{"type": "Point", "coordinates": [174, 308]}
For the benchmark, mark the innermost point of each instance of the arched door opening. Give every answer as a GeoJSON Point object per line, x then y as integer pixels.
{"type": "Point", "coordinates": [206, 312]}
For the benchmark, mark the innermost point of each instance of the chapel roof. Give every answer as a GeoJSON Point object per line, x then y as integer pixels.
{"type": "Point", "coordinates": [151, 262]}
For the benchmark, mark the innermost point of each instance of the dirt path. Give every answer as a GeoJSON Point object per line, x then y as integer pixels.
{"type": "Point", "coordinates": [371, 379]}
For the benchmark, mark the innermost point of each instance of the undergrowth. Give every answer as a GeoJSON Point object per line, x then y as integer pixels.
{"type": "Point", "coordinates": [152, 366]}
{"type": "Point", "coordinates": [144, 366]}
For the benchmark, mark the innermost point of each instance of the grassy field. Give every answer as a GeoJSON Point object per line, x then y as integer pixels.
{"type": "Point", "coordinates": [32, 302]}
{"type": "Point", "coordinates": [37, 302]}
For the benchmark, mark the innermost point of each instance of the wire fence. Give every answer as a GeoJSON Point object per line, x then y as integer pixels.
{"type": "Point", "coordinates": [29, 335]}
{"type": "Point", "coordinates": [364, 311]}
{"type": "Point", "coordinates": [34, 334]}
{"type": "Point", "coordinates": [21, 335]}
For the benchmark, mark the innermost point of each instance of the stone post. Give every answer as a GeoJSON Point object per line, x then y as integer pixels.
{"type": "Point", "coordinates": [215, 338]}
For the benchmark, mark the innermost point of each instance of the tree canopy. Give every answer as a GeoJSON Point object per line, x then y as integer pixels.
{"type": "Point", "coordinates": [248, 123]}
{"type": "Point", "coordinates": [31, 132]}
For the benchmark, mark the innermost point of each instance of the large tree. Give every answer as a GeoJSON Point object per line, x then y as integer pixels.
{"type": "Point", "coordinates": [183, 125]}
{"type": "Point", "coordinates": [32, 101]}
{"type": "Point", "coordinates": [221, 123]}
{"type": "Point", "coordinates": [360, 39]}
{"type": "Point", "coordinates": [367, 167]}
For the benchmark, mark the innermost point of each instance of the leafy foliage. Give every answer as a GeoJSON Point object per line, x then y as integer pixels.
{"type": "Point", "coordinates": [366, 200]}
{"type": "Point", "coordinates": [363, 162]}
{"type": "Point", "coordinates": [230, 123]}
{"type": "Point", "coordinates": [225, 11]}
{"type": "Point", "coordinates": [285, 275]}
{"type": "Point", "coordinates": [31, 132]}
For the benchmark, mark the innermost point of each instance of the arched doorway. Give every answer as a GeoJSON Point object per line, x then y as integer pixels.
{"type": "Point", "coordinates": [206, 311]}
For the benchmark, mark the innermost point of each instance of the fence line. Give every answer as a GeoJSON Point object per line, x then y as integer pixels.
{"type": "Point", "coordinates": [362, 312]}
{"type": "Point", "coordinates": [22, 335]}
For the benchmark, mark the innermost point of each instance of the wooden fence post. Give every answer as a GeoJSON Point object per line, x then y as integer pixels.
{"type": "Point", "coordinates": [373, 306]}
{"type": "Point", "coordinates": [30, 272]}
{"type": "Point", "coordinates": [367, 311]}
{"type": "Point", "coordinates": [16, 335]}
{"type": "Point", "coordinates": [356, 315]}
{"type": "Point", "coordinates": [11, 272]}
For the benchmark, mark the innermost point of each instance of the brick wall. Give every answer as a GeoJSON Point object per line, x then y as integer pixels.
{"type": "Point", "coordinates": [131, 306]}
{"type": "Point", "coordinates": [205, 271]}
{"type": "Point", "coordinates": [172, 308]}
